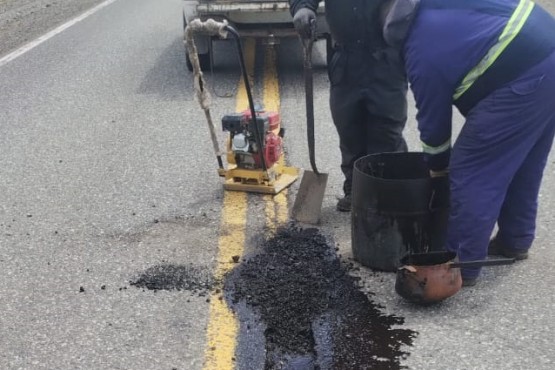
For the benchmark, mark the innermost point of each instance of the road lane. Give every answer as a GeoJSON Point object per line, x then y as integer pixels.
{"type": "Point", "coordinates": [107, 151]}
{"type": "Point", "coordinates": [222, 329]}
{"type": "Point", "coordinates": [24, 20]}
{"type": "Point", "coordinates": [106, 170]}
{"type": "Point", "coordinates": [48, 35]}
{"type": "Point", "coordinates": [224, 332]}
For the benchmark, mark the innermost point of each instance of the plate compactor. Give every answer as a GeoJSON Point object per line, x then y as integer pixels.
{"type": "Point", "coordinates": [256, 165]}
{"type": "Point", "coordinates": [255, 157]}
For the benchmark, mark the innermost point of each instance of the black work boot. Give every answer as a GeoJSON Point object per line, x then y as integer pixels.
{"type": "Point", "coordinates": [467, 282]}
{"type": "Point", "coordinates": [496, 248]}
{"type": "Point", "coordinates": [344, 204]}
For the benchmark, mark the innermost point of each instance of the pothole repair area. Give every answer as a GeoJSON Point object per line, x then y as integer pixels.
{"type": "Point", "coordinates": [315, 315]}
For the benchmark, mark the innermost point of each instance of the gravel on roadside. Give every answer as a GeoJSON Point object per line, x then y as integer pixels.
{"type": "Point", "coordinates": [22, 21]}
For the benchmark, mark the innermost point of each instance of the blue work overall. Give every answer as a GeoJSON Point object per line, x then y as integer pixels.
{"type": "Point", "coordinates": [495, 61]}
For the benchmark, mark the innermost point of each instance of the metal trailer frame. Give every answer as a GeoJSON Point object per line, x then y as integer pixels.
{"type": "Point", "coordinates": [269, 20]}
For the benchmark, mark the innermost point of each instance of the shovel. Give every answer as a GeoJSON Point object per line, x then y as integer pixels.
{"type": "Point", "coordinates": [308, 203]}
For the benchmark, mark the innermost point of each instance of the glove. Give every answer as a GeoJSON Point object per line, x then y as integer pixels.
{"type": "Point", "coordinates": [441, 173]}
{"type": "Point", "coordinates": [303, 21]}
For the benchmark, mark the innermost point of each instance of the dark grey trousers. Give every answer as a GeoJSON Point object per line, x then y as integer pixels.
{"type": "Point", "coordinates": [368, 104]}
{"type": "Point", "coordinates": [361, 132]}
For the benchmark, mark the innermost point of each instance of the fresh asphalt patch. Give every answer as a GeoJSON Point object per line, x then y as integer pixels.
{"type": "Point", "coordinates": [313, 312]}
{"type": "Point", "coordinates": [315, 315]}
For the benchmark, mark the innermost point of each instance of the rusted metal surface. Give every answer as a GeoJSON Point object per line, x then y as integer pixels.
{"type": "Point", "coordinates": [427, 284]}
{"type": "Point", "coordinates": [426, 278]}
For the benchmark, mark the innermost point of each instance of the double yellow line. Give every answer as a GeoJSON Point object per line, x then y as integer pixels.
{"type": "Point", "coordinates": [223, 327]}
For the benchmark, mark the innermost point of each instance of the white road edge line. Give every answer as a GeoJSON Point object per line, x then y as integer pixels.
{"type": "Point", "coordinates": [31, 45]}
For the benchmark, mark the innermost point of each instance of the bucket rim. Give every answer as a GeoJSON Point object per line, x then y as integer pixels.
{"type": "Point", "coordinates": [357, 166]}
{"type": "Point", "coordinates": [435, 258]}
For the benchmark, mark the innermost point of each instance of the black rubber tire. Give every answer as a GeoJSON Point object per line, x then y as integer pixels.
{"type": "Point", "coordinates": [329, 49]}
{"type": "Point", "coordinates": [204, 61]}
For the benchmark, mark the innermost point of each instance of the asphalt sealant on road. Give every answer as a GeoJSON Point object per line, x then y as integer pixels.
{"type": "Point", "coordinates": [315, 315]}
{"type": "Point", "coordinates": [175, 277]}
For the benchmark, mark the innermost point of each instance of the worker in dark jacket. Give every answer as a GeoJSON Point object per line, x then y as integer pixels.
{"type": "Point", "coordinates": [368, 81]}
{"type": "Point", "coordinates": [495, 61]}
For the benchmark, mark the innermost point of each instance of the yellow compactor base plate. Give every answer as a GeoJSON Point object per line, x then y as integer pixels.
{"type": "Point", "coordinates": [287, 176]}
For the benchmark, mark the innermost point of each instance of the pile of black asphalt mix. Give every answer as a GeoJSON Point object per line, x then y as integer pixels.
{"type": "Point", "coordinates": [176, 277]}
{"type": "Point", "coordinates": [314, 313]}
{"type": "Point", "coordinates": [316, 317]}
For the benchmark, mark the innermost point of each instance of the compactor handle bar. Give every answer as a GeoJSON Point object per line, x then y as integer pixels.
{"type": "Point", "coordinates": [221, 29]}
{"type": "Point", "coordinates": [209, 27]}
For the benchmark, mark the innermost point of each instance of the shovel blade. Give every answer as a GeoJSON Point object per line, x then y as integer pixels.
{"type": "Point", "coordinates": [308, 203]}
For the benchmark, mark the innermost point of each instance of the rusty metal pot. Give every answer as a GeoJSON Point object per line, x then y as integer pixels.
{"type": "Point", "coordinates": [427, 278]}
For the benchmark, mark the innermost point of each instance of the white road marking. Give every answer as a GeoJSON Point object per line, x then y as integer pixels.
{"type": "Point", "coordinates": [31, 45]}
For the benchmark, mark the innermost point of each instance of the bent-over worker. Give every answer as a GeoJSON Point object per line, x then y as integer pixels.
{"type": "Point", "coordinates": [495, 61]}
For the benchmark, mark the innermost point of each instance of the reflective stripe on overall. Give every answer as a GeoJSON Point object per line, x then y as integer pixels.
{"type": "Point", "coordinates": [512, 28]}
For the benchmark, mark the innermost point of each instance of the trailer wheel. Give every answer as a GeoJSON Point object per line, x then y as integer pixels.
{"type": "Point", "coordinates": [329, 48]}
{"type": "Point", "coordinates": [204, 61]}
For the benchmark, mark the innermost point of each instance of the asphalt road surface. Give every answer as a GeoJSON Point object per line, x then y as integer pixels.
{"type": "Point", "coordinates": [22, 21]}
{"type": "Point", "coordinates": [107, 172]}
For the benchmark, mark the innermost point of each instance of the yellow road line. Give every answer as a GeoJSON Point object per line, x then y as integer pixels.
{"type": "Point", "coordinates": [276, 207]}
{"type": "Point", "coordinates": [223, 327]}
{"type": "Point", "coordinates": [222, 324]}
{"type": "Point", "coordinates": [276, 210]}
{"type": "Point", "coordinates": [249, 49]}
{"type": "Point", "coordinates": [271, 82]}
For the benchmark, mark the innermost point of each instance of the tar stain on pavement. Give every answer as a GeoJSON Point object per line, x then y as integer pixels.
{"type": "Point", "coordinates": [315, 315]}
{"type": "Point", "coordinates": [175, 277]}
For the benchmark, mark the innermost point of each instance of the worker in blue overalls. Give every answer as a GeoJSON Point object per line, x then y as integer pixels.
{"type": "Point", "coordinates": [495, 61]}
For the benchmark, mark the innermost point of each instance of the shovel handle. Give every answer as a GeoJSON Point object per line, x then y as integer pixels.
{"type": "Point", "coordinates": [309, 96]}
{"type": "Point", "coordinates": [481, 263]}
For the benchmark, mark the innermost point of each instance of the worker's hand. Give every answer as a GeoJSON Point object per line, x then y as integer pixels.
{"type": "Point", "coordinates": [304, 22]}
{"type": "Point", "coordinates": [441, 173]}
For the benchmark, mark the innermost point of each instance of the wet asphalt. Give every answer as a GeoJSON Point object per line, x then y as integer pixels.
{"type": "Point", "coordinates": [110, 214]}
{"type": "Point", "coordinates": [314, 314]}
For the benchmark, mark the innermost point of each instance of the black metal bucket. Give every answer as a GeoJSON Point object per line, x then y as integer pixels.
{"type": "Point", "coordinates": [396, 209]}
